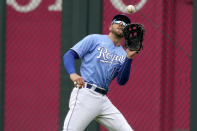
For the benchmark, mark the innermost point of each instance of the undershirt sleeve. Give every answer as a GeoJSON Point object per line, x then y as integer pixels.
{"type": "Point", "coordinates": [69, 61]}
{"type": "Point", "coordinates": [124, 72]}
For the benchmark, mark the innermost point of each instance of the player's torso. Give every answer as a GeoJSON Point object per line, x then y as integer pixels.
{"type": "Point", "coordinates": [101, 65]}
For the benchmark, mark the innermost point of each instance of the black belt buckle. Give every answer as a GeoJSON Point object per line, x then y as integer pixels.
{"type": "Point", "coordinates": [104, 92]}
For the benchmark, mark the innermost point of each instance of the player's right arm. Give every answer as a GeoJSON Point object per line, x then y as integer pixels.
{"type": "Point", "coordinates": [78, 51]}
{"type": "Point", "coordinates": [69, 64]}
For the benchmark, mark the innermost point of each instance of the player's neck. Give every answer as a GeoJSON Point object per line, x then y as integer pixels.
{"type": "Point", "coordinates": [116, 40]}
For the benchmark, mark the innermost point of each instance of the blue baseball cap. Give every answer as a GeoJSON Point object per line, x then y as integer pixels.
{"type": "Point", "coordinates": [122, 17]}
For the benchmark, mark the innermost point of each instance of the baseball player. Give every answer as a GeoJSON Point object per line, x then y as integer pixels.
{"type": "Point", "coordinates": [103, 59]}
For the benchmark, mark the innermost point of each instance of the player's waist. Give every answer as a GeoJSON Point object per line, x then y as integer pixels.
{"type": "Point", "coordinates": [96, 78]}
{"type": "Point", "coordinates": [96, 88]}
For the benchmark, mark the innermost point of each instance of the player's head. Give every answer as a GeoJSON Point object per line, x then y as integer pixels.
{"type": "Point", "coordinates": [118, 23]}
{"type": "Point", "coordinates": [121, 18]}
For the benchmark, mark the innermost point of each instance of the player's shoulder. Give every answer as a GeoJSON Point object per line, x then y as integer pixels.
{"type": "Point", "coordinates": [90, 37]}
{"type": "Point", "coordinates": [97, 35]}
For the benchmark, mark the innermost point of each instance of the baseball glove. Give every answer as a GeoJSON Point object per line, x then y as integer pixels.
{"type": "Point", "coordinates": [134, 36]}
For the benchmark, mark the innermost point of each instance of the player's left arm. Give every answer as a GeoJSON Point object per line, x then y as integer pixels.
{"type": "Point", "coordinates": [124, 71]}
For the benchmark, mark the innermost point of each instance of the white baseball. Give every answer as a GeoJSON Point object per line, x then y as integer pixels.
{"type": "Point", "coordinates": [130, 8]}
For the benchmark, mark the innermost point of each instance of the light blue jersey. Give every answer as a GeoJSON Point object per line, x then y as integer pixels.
{"type": "Point", "coordinates": [101, 59]}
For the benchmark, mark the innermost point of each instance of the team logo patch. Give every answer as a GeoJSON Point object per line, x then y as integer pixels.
{"type": "Point", "coordinates": [106, 57]}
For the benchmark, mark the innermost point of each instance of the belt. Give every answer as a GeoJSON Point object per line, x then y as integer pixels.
{"type": "Point", "coordinates": [97, 89]}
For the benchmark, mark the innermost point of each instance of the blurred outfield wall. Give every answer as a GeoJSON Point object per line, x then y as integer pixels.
{"type": "Point", "coordinates": [38, 33]}
{"type": "Point", "coordinates": [157, 97]}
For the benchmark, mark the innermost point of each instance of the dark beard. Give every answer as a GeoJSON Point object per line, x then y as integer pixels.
{"type": "Point", "coordinates": [117, 34]}
{"type": "Point", "coordinates": [120, 35]}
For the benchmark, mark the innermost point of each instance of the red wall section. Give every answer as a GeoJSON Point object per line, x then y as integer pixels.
{"type": "Point", "coordinates": [183, 62]}
{"type": "Point", "coordinates": [32, 68]}
{"type": "Point", "coordinates": [157, 96]}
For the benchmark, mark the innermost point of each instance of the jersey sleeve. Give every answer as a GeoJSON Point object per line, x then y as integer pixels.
{"type": "Point", "coordinates": [84, 46]}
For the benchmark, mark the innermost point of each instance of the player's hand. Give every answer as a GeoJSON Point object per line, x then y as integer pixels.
{"type": "Point", "coordinates": [77, 80]}
{"type": "Point", "coordinates": [131, 54]}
